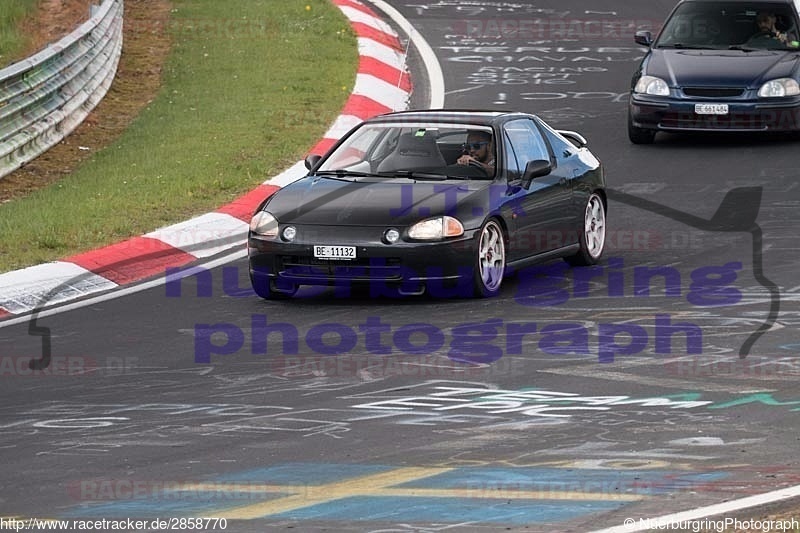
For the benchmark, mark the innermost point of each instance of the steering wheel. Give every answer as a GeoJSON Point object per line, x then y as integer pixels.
{"type": "Point", "coordinates": [474, 164]}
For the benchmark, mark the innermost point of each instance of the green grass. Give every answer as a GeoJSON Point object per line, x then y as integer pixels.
{"type": "Point", "coordinates": [249, 87]}
{"type": "Point", "coordinates": [12, 41]}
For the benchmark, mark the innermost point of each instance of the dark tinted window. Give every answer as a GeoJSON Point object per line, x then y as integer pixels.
{"type": "Point", "coordinates": [724, 24]}
{"type": "Point", "coordinates": [527, 141]}
{"type": "Point", "coordinates": [512, 162]}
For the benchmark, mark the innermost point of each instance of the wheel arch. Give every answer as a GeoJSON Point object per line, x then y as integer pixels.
{"type": "Point", "coordinates": [503, 224]}
{"type": "Point", "coordinates": [603, 196]}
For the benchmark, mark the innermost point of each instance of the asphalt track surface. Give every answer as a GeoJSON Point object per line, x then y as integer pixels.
{"type": "Point", "coordinates": [172, 402]}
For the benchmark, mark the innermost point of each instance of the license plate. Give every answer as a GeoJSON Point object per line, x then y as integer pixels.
{"type": "Point", "coordinates": [711, 109]}
{"type": "Point", "coordinates": [335, 252]}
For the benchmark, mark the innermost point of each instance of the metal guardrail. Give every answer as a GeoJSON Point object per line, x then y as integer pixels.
{"type": "Point", "coordinates": [45, 97]}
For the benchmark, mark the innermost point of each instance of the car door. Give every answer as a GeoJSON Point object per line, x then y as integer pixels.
{"type": "Point", "coordinates": [542, 207]}
{"type": "Point", "coordinates": [578, 164]}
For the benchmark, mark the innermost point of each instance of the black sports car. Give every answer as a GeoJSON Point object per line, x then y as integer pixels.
{"type": "Point", "coordinates": [719, 65]}
{"type": "Point", "coordinates": [443, 201]}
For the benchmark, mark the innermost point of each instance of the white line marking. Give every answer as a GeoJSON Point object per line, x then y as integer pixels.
{"type": "Point", "coordinates": [191, 235]}
{"type": "Point", "coordinates": [290, 175]}
{"type": "Point", "coordinates": [119, 292]}
{"type": "Point", "coordinates": [381, 91]}
{"type": "Point", "coordinates": [341, 125]}
{"type": "Point", "coordinates": [704, 512]}
{"type": "Point", "coordinates": [354, 15]}
{"type": "Point", "coordinates": [385, 54]}
{"type": "Point", "coordinates": [429, 59]}
{"type": "Point", "coordinates": [22, 290]}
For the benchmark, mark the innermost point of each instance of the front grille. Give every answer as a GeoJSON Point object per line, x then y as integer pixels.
{"type": "Point", "coordinates": [358, 269]}
{"type": "Point", "coordinates": [713, 122]}
{"type": "Point", "coordinates": [713, 92]}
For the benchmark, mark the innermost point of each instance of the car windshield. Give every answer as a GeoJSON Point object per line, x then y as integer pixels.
{"type": "Point", "coordinates": [420, 150]}
{"type": "Point", "coordinates": [730, 25]}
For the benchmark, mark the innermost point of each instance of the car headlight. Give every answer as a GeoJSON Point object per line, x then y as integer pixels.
{"type": "Point", "coordinates": [436, 228]}
{"type": "Point", "coordinates": [779, 87]}
{"type": "Point", "coordinates": [651, 85]}
{"type": "Point", "coordinates": [264, 224]}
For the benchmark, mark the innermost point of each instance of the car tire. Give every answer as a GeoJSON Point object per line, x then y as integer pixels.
{"type": "Point", "coordinates": [262, 286]}
{"type": "Point", "coordinates": [490, 260]}
{"type": "Point", "coordinates": [592, 235]}
{"type": "Point", "coordinates": [640, 135]}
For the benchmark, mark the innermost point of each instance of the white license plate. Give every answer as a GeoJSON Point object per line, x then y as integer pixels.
{"type": "Point", "coordinates": [335, 252]}
{"type": "Point", "coordinates": [711, 109]}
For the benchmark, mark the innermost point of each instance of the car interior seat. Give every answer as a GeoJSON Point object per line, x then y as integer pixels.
{"type": "Point", "coordinates": [415, 151]}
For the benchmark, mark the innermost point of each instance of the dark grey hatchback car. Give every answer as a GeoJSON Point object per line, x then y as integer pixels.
{"type": "Point", "coordinates": [719, 65]}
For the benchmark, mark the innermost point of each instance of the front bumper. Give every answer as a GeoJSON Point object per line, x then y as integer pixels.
{"type": "Point", "coordinates": [407, 267]}
{"type": "Point", "coordinates": [672, 114]}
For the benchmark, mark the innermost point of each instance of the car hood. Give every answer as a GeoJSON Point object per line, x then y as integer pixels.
{"type": "Point", "coordinates": [719, 68]}
{"type": "Point", "coordinates": [375, 202]}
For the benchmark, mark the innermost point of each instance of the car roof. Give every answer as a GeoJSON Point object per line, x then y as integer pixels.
{"type": "Point", "coordinates": [468, 116]}
{"type": "Point", "coordinates": [755, 3]}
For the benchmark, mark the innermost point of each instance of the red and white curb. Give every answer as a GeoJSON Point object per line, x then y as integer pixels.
{"type": "Point", "coordinates": [382, 85]}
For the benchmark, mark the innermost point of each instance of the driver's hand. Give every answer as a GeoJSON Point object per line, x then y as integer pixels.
{"type": "Point", "coordinates": [465, 160]}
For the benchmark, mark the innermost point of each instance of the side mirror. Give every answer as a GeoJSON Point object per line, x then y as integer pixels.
{"type": "Point", "coordinates": [312, 160]}
{"type": "Point", "coordinates": [643, 37]}
{"type": "Point", "coordinates": [574, 137]}
{"type": "Point", "coordinates": [535, 169]}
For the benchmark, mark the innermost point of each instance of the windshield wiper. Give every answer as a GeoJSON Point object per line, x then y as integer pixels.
{"type": "Point", "coordinates": [411, 174]}
{"type": "Point", "coordinates": [743, 48]}
{"type": "Point", "coordinates": [343, 173]}
{"type": "Point", "coordinates": [681, 46]}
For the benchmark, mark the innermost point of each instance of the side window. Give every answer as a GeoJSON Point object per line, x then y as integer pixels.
{"type": "Point", "coordinates": [527, 141]}
{"type": "Point", "coordinates": [512, 163]}
{"type": "Point", "coordinates": [562, 149]}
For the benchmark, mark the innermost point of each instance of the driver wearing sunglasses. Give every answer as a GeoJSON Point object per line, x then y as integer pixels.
{"type": "Point", "coordinates": [478, 151]}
